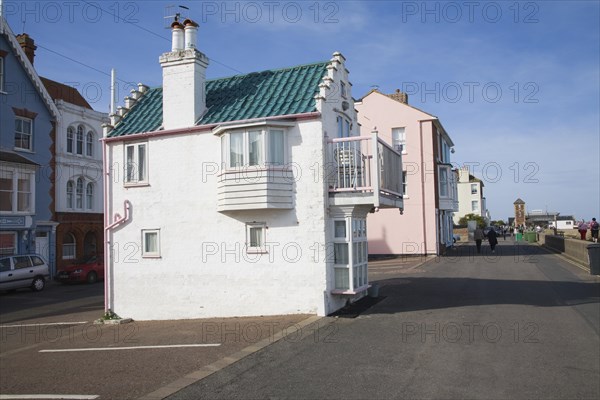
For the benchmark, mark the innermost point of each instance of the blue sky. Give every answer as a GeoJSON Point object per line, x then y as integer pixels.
{"type": "Point", "coordinates": [516, 84]}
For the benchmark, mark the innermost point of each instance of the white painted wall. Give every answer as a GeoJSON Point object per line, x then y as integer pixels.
{"type": "Point", "coordinates": [188, 281]}
{"type": "Point", "coordinates": [203, 270]}
{"type": "Point", "coordinates": [465, 197]}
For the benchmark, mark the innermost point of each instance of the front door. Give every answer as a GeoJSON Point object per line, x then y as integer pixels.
{"type": "Point", "coordinates": [42, 245]}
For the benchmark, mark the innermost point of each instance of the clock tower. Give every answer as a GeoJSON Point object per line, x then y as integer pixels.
{"type": "Point", "coordinates": [519, 212]}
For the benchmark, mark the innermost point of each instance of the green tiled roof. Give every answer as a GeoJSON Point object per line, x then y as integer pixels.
{"type": "Point", "coordinates": [240, 97]}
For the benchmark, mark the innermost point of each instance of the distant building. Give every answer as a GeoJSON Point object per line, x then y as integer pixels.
{"type": "Point", "coordinates": [77, 160]}
{"type": "Point", "coordinates": [540, 218]}
{"type": "Point", "coordinates": [429, 182]}
{"type": "Point", "coordinates": [519, 207]}
{"type": "Point", "coordinates": [470, 196]}
{"type": "Point", "coordinates": [565, 222]}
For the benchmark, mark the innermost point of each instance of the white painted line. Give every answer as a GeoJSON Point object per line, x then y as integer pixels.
{"type": "Point", "coordinates": [131, 348]}
{"type": "Point", "coordinates": [48, 396]}
{"type": "Point", "coordinates": [42, 324]}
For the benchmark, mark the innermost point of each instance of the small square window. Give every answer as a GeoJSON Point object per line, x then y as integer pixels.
{"type": "Point", "coordinates": [136, 164]}
{"type": "Point", "coordinates": [151, 243]}
{"type": "Point", "coordinates": [256, 237]}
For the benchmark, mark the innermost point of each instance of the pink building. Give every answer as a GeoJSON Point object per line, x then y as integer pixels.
{"type": "Point", "coordinates": [430, 194]}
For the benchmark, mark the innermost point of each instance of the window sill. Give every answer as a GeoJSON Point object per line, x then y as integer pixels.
{"type": "Point", "coordinates": [257, 251]}
{"type": "Point", "coordinates": [134, 185]}
{"type": "Point", "coordinates": [351, 292]}
{"type": "Point", "coordinates": [151, 256]}
{"type": "Point", "coordinates": [23, 150]}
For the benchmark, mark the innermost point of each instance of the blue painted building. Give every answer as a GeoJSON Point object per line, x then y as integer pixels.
{"type": "Point", "coordinates": [27, 134]}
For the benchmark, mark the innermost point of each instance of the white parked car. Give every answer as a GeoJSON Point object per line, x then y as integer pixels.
{"type": "Point", "coordinates": [23, 271]}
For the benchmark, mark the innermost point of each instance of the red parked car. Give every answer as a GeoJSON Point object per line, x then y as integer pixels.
{"type": "Point", "coordinates": [89, 270]}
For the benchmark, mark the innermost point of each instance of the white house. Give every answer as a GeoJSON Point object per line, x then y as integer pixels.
{"type": "Point", "coordinates": [241, 196]}
{"type": "Point", "coordinates": [78, 186]}
{"type": "Point", "coordinates": [565, 222]}
{"type": "Point", "coordinates": [470, 196]}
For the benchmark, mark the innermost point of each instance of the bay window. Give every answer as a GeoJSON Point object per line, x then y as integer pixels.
{"type": "Point", "coordinates": [350, 254]}
{"type": "Point", "coordinates": [16, 191]}
{"type": "Point", "coordinates": [253, 148]}
{"type": "Point", "coordinates": [443, 182]}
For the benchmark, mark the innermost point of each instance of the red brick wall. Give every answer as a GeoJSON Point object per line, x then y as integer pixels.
{"type": "Point", "coordinates": [79, 225]}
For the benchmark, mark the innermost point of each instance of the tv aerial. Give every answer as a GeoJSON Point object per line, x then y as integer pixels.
{"type": "Point", "coordinates": [175, 13]}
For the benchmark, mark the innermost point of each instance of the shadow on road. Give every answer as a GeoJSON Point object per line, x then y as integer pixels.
{"type": "Point", "coordinates": [425, 293]}
{"type": "Point", "coordinates": [503, 249]}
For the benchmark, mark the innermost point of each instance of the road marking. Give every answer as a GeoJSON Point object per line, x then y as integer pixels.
{"type": "Point", "coordinates": [42, 324]}
{"type": "Point", "coordinates": [48, 396]}
{"type": "Point", "coordinates": [170, 346]}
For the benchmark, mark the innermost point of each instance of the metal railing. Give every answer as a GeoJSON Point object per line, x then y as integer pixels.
{"type": "Point", "coordinates": [364, 164]}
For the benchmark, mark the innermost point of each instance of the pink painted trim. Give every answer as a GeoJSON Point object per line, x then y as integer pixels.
{"type": "Point", "coordinates": [201, 128]}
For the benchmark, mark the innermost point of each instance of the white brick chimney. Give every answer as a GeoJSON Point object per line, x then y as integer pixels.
{"type": "Point", "coordinates": [184, 78]}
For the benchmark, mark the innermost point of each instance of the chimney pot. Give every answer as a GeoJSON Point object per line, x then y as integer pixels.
{"type": "Point", "coordinates": [177, 36]}
{"type": "Point", "coordinates": [142, 88]}
{"type": "Point", "coordinates": [191, 34]}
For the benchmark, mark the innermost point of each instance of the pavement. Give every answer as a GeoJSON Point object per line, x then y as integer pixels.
{"type": "Point", "coordinates": [520, 323]}
{"type": "Point", "coordinates": [49, 345]}
{"type": "Point", "coordinates": [517, 324]}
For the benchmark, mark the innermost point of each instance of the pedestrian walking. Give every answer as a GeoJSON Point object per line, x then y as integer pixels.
{"type": "Point", "coordinates": [504, 232]}
{"type": "Point", "coordinates": [594, 227]}
{"type": "Point", "coordinates": [583, 228]}
{"type": "Point", "coordinates": [478, 236]}
{"type": "Point", "coordinates": [492, 239]}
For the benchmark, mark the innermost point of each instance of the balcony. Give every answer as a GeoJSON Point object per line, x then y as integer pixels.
{"type": "Point", "coordinates": [364, 170]}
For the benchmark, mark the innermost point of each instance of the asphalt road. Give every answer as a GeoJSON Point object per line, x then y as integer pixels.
{"type": "Point", "coordinates": [56, 300]}
{"type": "Point", "coordinates": [517, 324]}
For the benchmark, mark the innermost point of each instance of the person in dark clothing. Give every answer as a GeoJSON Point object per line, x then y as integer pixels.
{"type": "Point", "coordinates": [492, 239]}
{"type": "Point", "coordinates": [478, 236]}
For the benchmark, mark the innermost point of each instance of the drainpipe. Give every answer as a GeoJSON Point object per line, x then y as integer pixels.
{"type": "Point", "coordinates": [423, 188]}
{"type": "Point", "coordinates": [108, 226]}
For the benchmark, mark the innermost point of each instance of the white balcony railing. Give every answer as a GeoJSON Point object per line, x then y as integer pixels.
{"type": "Point", "coordinates": [364, 164]}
